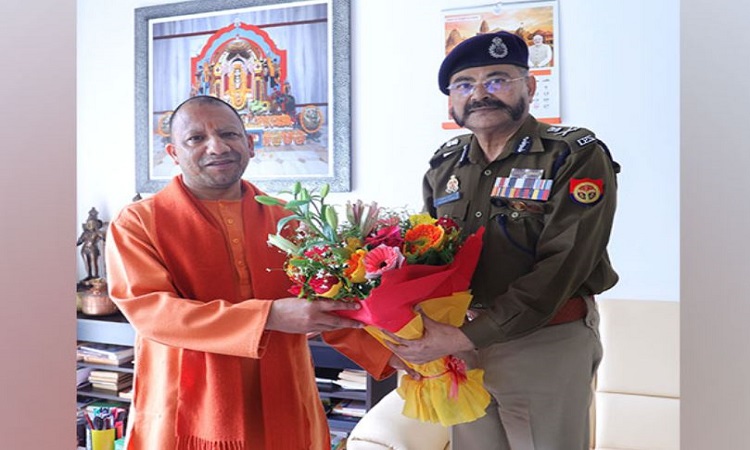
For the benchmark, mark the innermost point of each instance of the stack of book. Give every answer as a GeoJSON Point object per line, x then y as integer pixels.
{"type": "Point", "coordinates": [326, 384]}
{"type": "Point", "coordinates": [110, 381]}
{"type": "Point", "coordinates": [350, 408]}
{"type": "Point", "coordinates": [352, 379]}
{"type": "Point", "coordinates": [107, 354]}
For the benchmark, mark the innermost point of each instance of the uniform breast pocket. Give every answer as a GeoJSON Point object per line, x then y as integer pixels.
{"type": "Point", "coordinates": [519, 222]}
{"type": "Point", "coordinates": [454, 209]}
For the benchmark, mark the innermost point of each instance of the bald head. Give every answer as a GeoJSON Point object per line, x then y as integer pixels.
{"type": "Point", "coordinates": [209, 142]}
{"type": "Point", "coordinates": [200, 100]}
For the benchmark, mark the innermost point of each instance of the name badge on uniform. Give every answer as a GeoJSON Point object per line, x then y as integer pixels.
{"type": "Point", "coordinates": [525, 184]}
{"type": "Point", "coordinates": [439, 201]}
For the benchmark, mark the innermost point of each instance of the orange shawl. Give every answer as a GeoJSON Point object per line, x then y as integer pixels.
{"type": "Point", "coordinates": [209, 416]}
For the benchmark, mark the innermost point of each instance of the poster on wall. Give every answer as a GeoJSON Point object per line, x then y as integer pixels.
{"type": "Point", "coordinates": [283, 65]}
{"type": "Point", "coordinates": [536, 22]}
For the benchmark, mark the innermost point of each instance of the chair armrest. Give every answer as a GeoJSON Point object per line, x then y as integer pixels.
{"type": "Point", "coordinates": [384, 427]}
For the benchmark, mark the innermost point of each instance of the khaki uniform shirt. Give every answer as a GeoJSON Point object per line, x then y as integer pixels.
{"type": "Point", "coordinates": [541, 246]}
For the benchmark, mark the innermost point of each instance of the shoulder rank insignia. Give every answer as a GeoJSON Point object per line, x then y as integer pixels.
{"type": "Point", "coordinates": [561, 131]}
{"type": "Point", "coordinates": [449, 149]}
{"type": "Point", "coordinates": [589, 138]}
{"type": "Point", "coordinates": [575, 137]}
{"type": "Point", "coordinates": [586, 191]}
{"type": "Point", "coordinates": [451, 143]}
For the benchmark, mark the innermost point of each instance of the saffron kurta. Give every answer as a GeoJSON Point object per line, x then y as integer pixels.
{"type": "Point", "coordinates": [277, 395]}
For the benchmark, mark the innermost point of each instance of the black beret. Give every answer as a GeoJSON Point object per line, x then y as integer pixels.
{"type": "Point", "coordinates": [483, 50]}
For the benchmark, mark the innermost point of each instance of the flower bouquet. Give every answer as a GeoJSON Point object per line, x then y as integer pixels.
{"type": "Point", "coordinates": [390, 262]}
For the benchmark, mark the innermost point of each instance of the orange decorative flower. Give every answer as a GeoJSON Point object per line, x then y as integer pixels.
{"type": "Point", "coordinates": [423, 237]}
{"type": "Point", "coordinates": [355, 267]}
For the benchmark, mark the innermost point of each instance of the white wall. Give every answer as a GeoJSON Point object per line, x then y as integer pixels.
{"type": "Point", "coordinates": [37, 225]}
{"type": "Point", "coordinates": [715, 223]}
{"type": "Point", "coordinates": [623, 85]}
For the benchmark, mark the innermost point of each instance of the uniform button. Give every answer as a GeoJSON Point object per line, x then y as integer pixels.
{"type": "Point", "coordinates": [230, 221]}
{"type": "Point", "coordinates": [240, 263]}
{"type": "Point", "coordinates": [514, 214]}
{"type": "Point", "coordinates": [487, 172]}
{"type": "Point", "coordinates": [478, 214]}
{"type": "Point", "coordinates": [236, 240]}
{"type": "Point", "coordinates": [478, 305]}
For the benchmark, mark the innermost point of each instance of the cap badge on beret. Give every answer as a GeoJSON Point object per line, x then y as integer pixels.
{"type": "Point", "coordinates": [498, 49]}
{"type": "Point", "coordinates": [484, 49]}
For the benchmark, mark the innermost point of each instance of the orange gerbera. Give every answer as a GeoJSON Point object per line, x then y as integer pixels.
{"type": "Point", "coordinates": [423, 237]}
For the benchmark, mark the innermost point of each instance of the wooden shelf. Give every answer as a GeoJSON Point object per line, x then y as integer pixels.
{"type": "Point", "coordinates": [342, 423]}
{"type": "Point", "coordinates": [88, 391]}
{"type": "Point", "coordinates": [344, 394]}
{"type": "Point", "coordinates": [112, 329]}
{"type": "Point", "coordinates": [327, 357]}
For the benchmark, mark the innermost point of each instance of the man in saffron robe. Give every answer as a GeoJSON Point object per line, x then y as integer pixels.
{"type": "Point", "coordinates": [222, 360]}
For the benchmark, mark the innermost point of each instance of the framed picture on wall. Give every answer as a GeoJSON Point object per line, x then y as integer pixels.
{"type": "Point", "coordinates": [283, 65]}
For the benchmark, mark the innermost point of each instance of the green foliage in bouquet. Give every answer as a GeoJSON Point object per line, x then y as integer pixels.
{"type": "Point", "coordinates": [344, 261]}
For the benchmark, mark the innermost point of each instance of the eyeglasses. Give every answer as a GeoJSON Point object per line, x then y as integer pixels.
{"type": "Point", "coordinates": [493, 85]}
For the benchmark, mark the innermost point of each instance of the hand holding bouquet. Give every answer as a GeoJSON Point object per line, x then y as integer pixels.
{"type": "Point", "coordinates": [390, 262]}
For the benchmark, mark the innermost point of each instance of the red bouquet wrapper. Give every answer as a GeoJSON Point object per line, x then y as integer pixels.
{"type": "Point", "coordinates": [390, 306]}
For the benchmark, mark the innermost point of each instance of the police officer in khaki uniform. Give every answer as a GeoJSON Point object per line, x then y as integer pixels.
{"type": "Point", "coordinates": [546, 196]}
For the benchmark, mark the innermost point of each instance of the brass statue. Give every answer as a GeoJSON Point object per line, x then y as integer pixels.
{"type": "Point", "coordinates": [91, 241]}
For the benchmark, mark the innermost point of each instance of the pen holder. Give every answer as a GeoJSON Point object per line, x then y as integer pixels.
{"type": "Point", "coordinates": [101, 439]}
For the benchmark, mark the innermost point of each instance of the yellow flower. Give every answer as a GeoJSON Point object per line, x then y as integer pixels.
{"type": "Point", "coordinates": [333, 291]}
{"type": "Point", "coordinates": [419, 219]}
{"type": "Point", "coordinates": [355, 270]}
{"type": "Point", "coordinates": [353, 243]}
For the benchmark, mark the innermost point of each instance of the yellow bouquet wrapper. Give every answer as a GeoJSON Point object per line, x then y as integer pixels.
{"type": "Point", "coordinates": [447, 393]}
